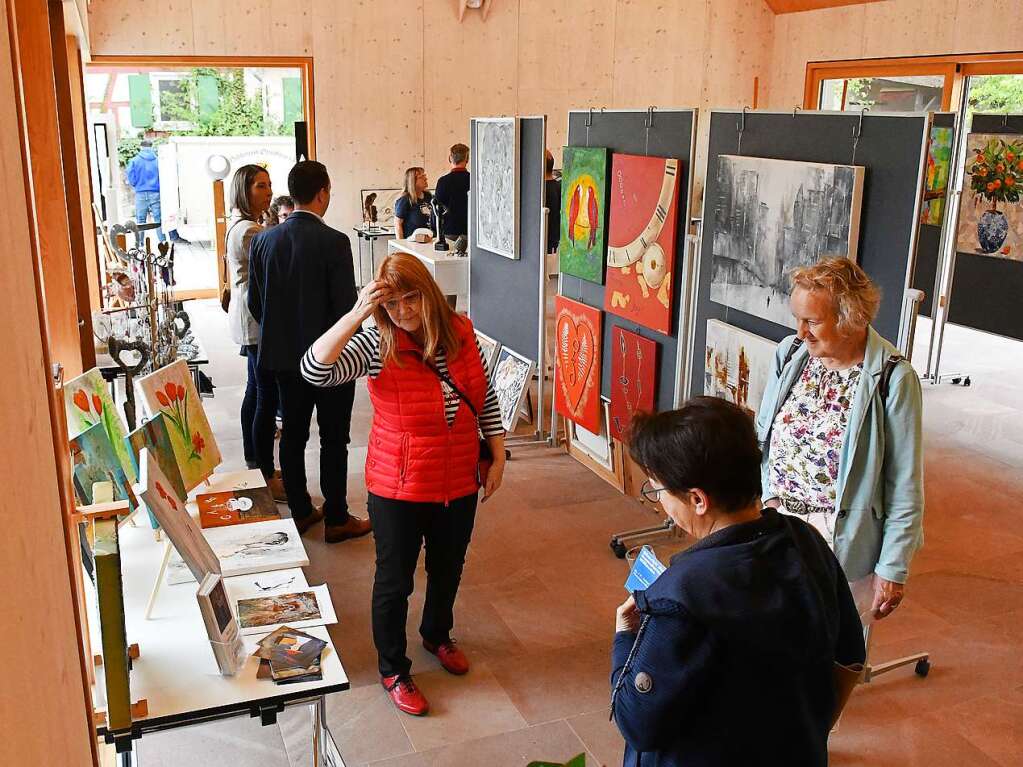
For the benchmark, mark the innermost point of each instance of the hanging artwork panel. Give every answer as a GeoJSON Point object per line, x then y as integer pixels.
{"type": "Point", "coordinates": [578, 337]}
{"type": "Point", "coordinates": [495, 176]}
{"type": "Point", "coordinates": [641, 239]}
{"type": "Point", "coordinates": [939, 161]}
{"type": "Point", "coordinates": [737, 365]}
{"type": "Point", "coordinates": [170, 391]}
{"type": "Point", "coordinates": [771, 216]}
{"type": "Point", "coordinates": [512, 376]}
{"type": "Point", "coordinates": [87, 402]}
{"type": "Point", "coordinates": [583, 212]}
{"type": "Point", "coordinates": [991, 214]}
{"type": "Point", "coordinates": [93, 460]}
{"type": "Point", "coordinates": [633, 378]}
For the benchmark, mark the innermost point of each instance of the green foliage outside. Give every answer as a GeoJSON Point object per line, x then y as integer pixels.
{"type": "Point", "coordinates": [858, 92]}
{"type": "Point", "coordinates": [996, 93]}
{"type": "Point", "coordinates": [129, 146]}
{"type": "Point", "coordinates": [236, 114]}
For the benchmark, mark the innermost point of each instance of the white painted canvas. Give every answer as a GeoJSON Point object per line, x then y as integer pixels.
{"type": "Point", "coordinates": [512, 376]}
{"type": "Point", "coordinates": [771, 216]}
{"type": "Point", "coordinates": [257, 547]}
{"type": "Point", "coordinates": [737, 365]}
{"type": "Point", "coordinates": [495, 176]}
{"type": "Point", "coordinates": [490, 347]}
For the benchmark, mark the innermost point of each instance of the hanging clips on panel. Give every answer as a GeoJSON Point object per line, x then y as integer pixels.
{"type": "Point", "coordinates": [589, 122]}
{"type": "Point", "coordinates": [857, 132]}
{"type": "Point", "coordinates": [741, 126]}
{"type": "Point", "coordinates": [649, 124]}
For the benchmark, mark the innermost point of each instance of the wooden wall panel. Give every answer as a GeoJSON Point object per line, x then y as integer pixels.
{"type": "Point", "coordinates": [924, 26]}
{"type": "Point", "coordinates": [43, 714]}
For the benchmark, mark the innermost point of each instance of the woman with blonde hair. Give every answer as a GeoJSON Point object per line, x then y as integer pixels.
{"type": "Point", "coordinates": [429, 386]}
{"type": "Point", "coordinates": [841, 433]}
{"type": "Point", "coordinates": [413, 210]}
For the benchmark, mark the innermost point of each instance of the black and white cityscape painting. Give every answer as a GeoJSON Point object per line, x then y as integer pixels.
{"type": "Point", "coordinates": [495, 175]}
{"type": "Point", "coordinates": [771, 216]}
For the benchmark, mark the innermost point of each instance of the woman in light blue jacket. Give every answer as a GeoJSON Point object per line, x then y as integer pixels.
{"type": "Point", "coordinates": [840, 429]}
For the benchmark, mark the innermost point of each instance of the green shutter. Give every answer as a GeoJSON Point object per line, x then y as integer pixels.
{"type": "Point", "coordinates": [209, 98]}
{"type": "Point", "coordinates": [140, 93]}
{"type": "Point", "coordinates": [292, 101]}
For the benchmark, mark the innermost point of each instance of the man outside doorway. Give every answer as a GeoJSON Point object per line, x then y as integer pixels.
{"type": "Point", "coordinates": [144, 177]}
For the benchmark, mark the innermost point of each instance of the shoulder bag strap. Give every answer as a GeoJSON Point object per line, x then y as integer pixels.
{"type": "Point", "coordinates": [447, 379]}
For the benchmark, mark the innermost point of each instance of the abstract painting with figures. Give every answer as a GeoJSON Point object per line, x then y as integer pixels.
{"type": "Point", "coordinates": [495, 177]}
{"type": "Point", "coordinates": [641, 239]}
{"type": "Point", "coordinates": [578, 335]}
{"type": "Point", "coordinates": [512, 376]}
{"type": "Point", "coordinates": [771, 216]}
{"type": "Point", "coordinates": [583, 209]}
{"type": "Point", "coordinates": [633, 378]}
{"type": "Point", "coordinates": [170, 391]}
{"type": "Point", "coordinates": [991, 213]}
{"type": "Point", "coordinates": [737, 365]}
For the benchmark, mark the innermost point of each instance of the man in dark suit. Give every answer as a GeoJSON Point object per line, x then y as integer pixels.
{"type": "Point", "coordinates": [302, 281]}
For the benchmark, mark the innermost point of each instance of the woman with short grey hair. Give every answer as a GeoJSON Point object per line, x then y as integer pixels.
{"type": "Point", "coordinates": [841, 433]}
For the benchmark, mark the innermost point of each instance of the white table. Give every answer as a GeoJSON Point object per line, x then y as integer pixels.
{"type": "Point", "coordinates": [176, 672]}
{"type": "Point", "coordinates": [450, 271]}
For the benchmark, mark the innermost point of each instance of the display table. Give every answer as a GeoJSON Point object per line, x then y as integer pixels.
{"type": "Point", "coordinates": [176, 672]}
{"type": "Point", "coordinates": [370, 234]}
{"type": "Point", "coordinates": [450, 271]}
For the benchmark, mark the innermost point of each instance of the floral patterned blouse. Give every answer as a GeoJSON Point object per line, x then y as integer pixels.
{"type": "Point", "coordinates": [808, 434]}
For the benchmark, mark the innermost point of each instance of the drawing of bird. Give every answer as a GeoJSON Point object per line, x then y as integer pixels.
{"type": "Point", "coordinates": [591, 208]}
{"type": "Point", "coordinates": [573, 212]}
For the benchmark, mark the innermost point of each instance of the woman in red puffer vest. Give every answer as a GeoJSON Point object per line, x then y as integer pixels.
{"type": "Point", "coordinates": [431, 398]}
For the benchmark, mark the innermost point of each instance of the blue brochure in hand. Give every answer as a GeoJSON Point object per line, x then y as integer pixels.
{"type": "Point", "coordinates": [645, 570]}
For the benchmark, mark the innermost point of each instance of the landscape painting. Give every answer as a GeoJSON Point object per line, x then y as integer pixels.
{"type": "Point", "coordinates": [495, 177]}
{"type": "Point", "coordinates": [578, 334]}
{"type": "Point", "coordinates": [512, 377]}
{"type": "Point", "coordinates": [583, 212]}
{"type": "Point", "coordinates": [171, 391]}
{"type": "Point", "coordinates": [737, 365]}
{"type": "Point", "coordinates": [87, 402]}
{"type": "Point", "coordinates": [642, 239]}
{"type": "Point", "coordinates": [771, 216]}
{"type": "Point", "coordinates": [633, 379]}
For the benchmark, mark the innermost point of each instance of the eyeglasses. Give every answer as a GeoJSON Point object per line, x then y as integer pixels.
{"type": "Point", "coordinates": [410, 300]}
{"type": "Point", "coordinates": [651, 493]}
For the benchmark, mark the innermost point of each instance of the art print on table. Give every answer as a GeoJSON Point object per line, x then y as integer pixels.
{"type": "Point", "coordinates": [939, 162]}
{"type": "Point", "coordinates": [236, 507]}
{"type": "Point", "coordinates": [93, 460]}
{"type": "Point", "coordinates": [153, 434]}
{"type": "Point", "coordinates": [495, 177]}
{"type": "Point", "coordinates": [489, 346]}
{"type": "Point", "coordinates": [378, 207]}
{"type": "Point", "coordinates": [511, 381]}
{"type": "Point", "coordinates": [171, 391]}
{"type": "Point", "coordinates": [642, 239]}
{"type": "Point", "coordinates": [771, 216]}
{"type": "Point", "coordinates": [577, 357]}
{"type": "Point", "coordinates": [583, 212]}
{"type": "Point", "coordinates": [737, 365]}
{"type": "Point", "coordinates": [991, 214]}
{"type": "Point", "coordinates": [633, 379]}
{"type": "Point", "coordinates": [275, 610]}
{"type": "Point", "coordinates": [87, 402]}
{"type": "Point", "coordinates": [256, 547]}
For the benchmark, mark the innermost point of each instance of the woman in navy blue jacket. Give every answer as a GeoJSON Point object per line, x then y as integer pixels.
{"type": "Point", "coordinates": [727, 658]}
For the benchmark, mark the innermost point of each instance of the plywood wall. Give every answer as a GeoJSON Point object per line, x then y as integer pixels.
{"type": "Point", "coordinates": [888, 29]}
{"type": "Point", "coordinates": [396, 83]}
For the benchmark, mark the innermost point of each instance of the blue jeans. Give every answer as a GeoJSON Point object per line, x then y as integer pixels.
{"type": "Point", "coordinates": [259, 408]}
{"type": "Point", "coordinates": [146, 203]}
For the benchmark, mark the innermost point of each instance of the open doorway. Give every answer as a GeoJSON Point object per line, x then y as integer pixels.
{"type": "Point", "coordinates": [162, 131]}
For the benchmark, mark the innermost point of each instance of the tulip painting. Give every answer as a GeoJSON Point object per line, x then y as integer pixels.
{"type": "Point", "coordinates": [171, 393]}
{"type": "Point", "coordinates": [87, 402]}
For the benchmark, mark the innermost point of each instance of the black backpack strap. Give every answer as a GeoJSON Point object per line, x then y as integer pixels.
{"type": "Point", "coordinates": [793, 348]}
{"type": "Point", "coordinates": [886, 375]}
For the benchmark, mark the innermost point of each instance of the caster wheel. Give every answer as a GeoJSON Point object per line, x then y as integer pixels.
{"type": "Point", "coordinates": [618, 548]}
{"type": "Point", "coordinates": [966, 381]}
{"type": "Point", "coordinates": [922, 667]}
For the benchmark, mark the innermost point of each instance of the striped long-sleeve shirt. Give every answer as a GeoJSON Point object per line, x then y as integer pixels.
{"type": "Point", "coordinates": [361, 357]}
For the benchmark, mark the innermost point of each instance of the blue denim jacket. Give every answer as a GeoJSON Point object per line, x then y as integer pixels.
{"type": "Point", "coordinates": [880, 486]}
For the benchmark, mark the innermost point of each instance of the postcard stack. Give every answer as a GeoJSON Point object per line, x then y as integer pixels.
{"type": "Point", "coordinates": [288, 656]}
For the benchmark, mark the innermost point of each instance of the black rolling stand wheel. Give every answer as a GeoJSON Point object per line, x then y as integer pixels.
{"type": "Point", "coordinates": [923, 666]}
{"type": "Point", "coordinates": [618, 548]}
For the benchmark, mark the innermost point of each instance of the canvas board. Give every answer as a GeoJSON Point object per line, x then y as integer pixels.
{"type": "Point", "coordinates": [633, 379]}
{"type": "Point", "coordinates": [737, 365]}
{"type": "Point", "coordinates": [490, 347]}
{"type": "Point", "coordinates": [236, 507]}
{"type": "Point", "coordinates": [153, 434]}
{"type": "Point", "coordinates": [297, 608]}
{"type": "Point", "coordinates": [384, 203]}
{"type": "Point", "coordinates": [171, 391]}
{"type": "Point", "coordinates": [771, 216]}
{"type": "Point", "coordinates": [495, 176]}
{"type": "Point", "coordinates": [512, 378]}
{"type": "Point", "coordinates": [257, 547]}
{"type": "Point", "coordinates": [583, 212]}
{"type": "Point", "coordinates": [93, 460]}
{"type": "Point", "coordinates": [990, 218]}
{"type": "Point", "coordinates": [939, 163]}
{"type": "Point", "coordinates": [87, 401]}
{"type": "Point", "coordinates": [578, 336]}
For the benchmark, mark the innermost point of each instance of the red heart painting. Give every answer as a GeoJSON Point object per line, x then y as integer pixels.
{"type": "Point", "coordinates": [633, 378]}
{"type": "Point", "coordinates": [643, 193]}
{"type": "Point", "coordinates": [578, 337]}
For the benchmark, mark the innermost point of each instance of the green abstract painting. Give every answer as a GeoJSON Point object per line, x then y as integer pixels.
{"type": "Point", "coordinates": [584, 212]}
{"type": "Point", "coordinates": [939, 159]}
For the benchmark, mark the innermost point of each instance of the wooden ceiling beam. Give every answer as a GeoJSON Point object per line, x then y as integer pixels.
{"type": "Point", "coordinates": [797, 6]}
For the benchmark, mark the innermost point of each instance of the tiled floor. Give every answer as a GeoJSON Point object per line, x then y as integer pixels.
{"type": "Point", "coordinates": [536, 609]}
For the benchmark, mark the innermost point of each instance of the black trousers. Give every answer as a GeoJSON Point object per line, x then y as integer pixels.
{"type": "Point", "coordinates": [400, 529]}
{"type": "Point", "coordinates": [259, 414]}
{"type": "Point", "coordinates": [334, 417]}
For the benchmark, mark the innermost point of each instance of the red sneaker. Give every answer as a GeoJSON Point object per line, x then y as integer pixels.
{"type": "Point", "coordinates": [451, 658]}
{"type": "Point", "coordinates": [405, 694]}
